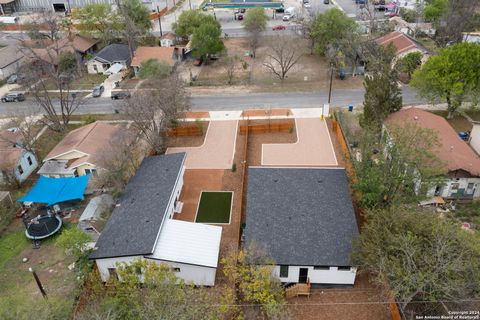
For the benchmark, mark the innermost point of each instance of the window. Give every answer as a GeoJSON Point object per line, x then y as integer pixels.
{"type": "Point", "coordinates": [283, 271]}
{"type": "Point", "coordinates": [93, 172]}
{"type": "Point", "coordinates": [455, 186]}
{"type": "Point", "coordinates": [343, 268]}
{"type": "Point", "coordinates": [29, 159]}
{"type": "Point", "coordinates": [20, 169]}
{"type": "Point", "coordinates": [113, 273]}
{"type": "Point", "coordinates": [176, 269]}
{"type": "Point", "coordinates": [321, 268]}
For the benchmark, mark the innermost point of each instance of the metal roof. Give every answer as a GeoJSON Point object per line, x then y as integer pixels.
{"type": "Point", "coordinates": [301, 216]}
{"type": "Point", "coordinates": [188, 242]}
{"type": "Point", "coordinates": [135, 223]}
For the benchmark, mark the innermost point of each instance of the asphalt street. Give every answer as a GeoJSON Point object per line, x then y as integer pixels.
{"type": "Point", "coordinates": [340, 98]}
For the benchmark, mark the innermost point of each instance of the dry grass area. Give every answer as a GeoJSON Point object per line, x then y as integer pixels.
{"type": "Point", "coordinates": [191, 141]}
{"type": "Point", "coordinates": [310, 73]}
{"type": "Point", "coordinates": [362, 302]}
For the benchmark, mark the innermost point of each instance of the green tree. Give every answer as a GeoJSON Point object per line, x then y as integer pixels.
{"type": "Point", "coordinates": [392, 171]}
{"type": "Point", "coordinates": [138, 13]}
{"type": "Point", "coordinates": [98, 20]}
{"type": "Point", "coordinates": [67, 62]}
{"type": "Point", "coordinates": [409, 63]}
{"type": "Point", "coordinates": [450, 76]}
{"type": "Point", "coordinates": [330, 28]}
{"type": "Point", "coordinates": [421, 256]}
{"type": "Point", "coordinates": [206, 40]}
{"type": "Point", "coordinates": [154, 69]}
{"type": "Point", "coordinates": [255, 23]}
{"type": "Point", "coordinates": [434, 10]}
{"type": "Point", "coordinates": [382, 93]}
{"type": "Point", "coordinates": [191, 20]}
{"type": "Point", "coordinates": [73, 241]}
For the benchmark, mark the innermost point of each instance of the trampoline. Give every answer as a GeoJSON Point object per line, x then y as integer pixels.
{"type": "Point", "coordinates": [43, 227]}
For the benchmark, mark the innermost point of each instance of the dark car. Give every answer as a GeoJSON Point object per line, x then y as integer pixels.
{"type": "Point", "coordinates": [278, 28]}
{"type": "Point", "coordinates": [326, 1]}
{"type": "Point", "coordinates": [120, 95]}
{"type": "Point", "coordinates": [97, 91]}
{"type": "Point", "coordinates": [240, 17]}
{"type": "Point", "coordinates": [13, 97]}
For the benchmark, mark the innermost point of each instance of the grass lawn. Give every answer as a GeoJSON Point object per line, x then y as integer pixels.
{"type": "Point", "coordinates": [21, 298]}
{"type": "Point", "coordinates": [88, 81]}
{"type": "Point", "coordinates": [214, 207]}
{"type": "Point", "coordinates": [458, 122]}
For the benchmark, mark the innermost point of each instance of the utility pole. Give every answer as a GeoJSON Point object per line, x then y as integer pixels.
{"type": "Point", "coordinates": [159, 21]}
{"type": "Point", "coordinates": [331, 81]}
{"type": "Point", "coordinates": [39, 284]}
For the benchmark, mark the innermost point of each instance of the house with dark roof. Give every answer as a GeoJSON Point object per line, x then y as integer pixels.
{"type": "Point", "coordinates": [113, 54]}
{"type": "Point", "coordinates": [142, 226]}
{"type": "Point", "coordinates": [461, 161]}
{"type": "Point", "coordinates": [303, 219]}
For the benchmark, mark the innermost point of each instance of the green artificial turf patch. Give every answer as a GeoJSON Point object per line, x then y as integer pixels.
{"type": "Point", "coordinates": [214, 207]}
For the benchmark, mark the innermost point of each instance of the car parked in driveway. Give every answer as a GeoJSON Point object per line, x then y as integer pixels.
{"type": "Point", "coordinates": [97, 91]}
{"type": "Point", "coordinates": [118, 95]}
{"type": "Point", "coordinates": [279, 27]}
{"type": "Point", "coordinates": [13, 97]}
{"type": "Point", "coordinates": [15, 78]}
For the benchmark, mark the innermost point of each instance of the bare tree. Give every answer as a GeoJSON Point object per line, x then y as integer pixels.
{"type": "Point", "coordinates": [49, 83]}
{"type": "Point", "coordinates": [119, 161]}
{"type": "Point", "coordinates": [153, 111]}
{"type": "Point", "coordinates": [307, 23]}
{"type": "Point", "coordinates": [282, 56]}
{"type": "Point", "coordinates": [230, 67]}
{"type": "Point", "coordinates": [26, 131]}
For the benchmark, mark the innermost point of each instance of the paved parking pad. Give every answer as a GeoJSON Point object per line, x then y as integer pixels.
{"type": "Point", "coordinates": [313, 147]}
{"type": "Point", "coordinates": [217, 150]}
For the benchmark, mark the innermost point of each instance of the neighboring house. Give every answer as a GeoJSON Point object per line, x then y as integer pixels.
{"type": "Point", "coordinates": [141, 226]}
{"type": "Point", "coordinates": [168, 40]}
{"type": "Point", "coordinates": [81, 151]}
{"type": "Point", "coordinates": [115, 53]}
{"type": "Point", "coordinates": [403, 44]}
{"type": "Point", "coordinates": [410, 28]}
{"type": "Point", "coordinates": [84, 46]}
{"type": "Point", "coordinates": [14, 160]}
{"type": "Point", "coordinates": [461, 161]}
{"type": "Point", "coordinates": [471, 37]}
{"type": "Point", "coordinates": [303, 219]}
{"type": "Point", "coordinates": [142, 54]}
{"type": "Point", "coordinates": [11, 59]}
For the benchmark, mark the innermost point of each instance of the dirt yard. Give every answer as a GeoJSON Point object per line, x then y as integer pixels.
{"type": "Point", "coordinates": [191, 141]}
{"type": "Point", "coordinates": [310, 73]}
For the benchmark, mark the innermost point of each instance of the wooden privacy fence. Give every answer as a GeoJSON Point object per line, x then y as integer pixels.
{"type": "Point", "coordinates": [266, 128]}
{"type": "Point", "coordinates": [185, 131]}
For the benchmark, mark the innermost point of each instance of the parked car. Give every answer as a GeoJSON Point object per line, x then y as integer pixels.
{"type": "Point", "coordinates": [326, 1]}
{"type": "Point", "coordinates": [97, 91]}
{"type": "Point", "coordinates": [278, 27]}
{"type": "Point", "coordinates": [242, 10]}
{"type": "Point", "coordinates": [118, 95]}
{"type": "Point", "coordinates": [240, 17]}
{"type": "Point", "coordinates": [13, 97]}
{"type": "Point", "coordinates": [15, 78]}
{"type": "Point", "coordinates": [307, 5]}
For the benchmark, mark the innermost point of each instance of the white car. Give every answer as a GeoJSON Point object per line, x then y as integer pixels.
{"type": "Point", "coordinates": [307, 5]}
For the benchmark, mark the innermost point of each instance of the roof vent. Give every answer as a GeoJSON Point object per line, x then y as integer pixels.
{"type": "Point", "coordinates": [319, 181]}
{"type": "Point", "coordinates": [415, 118]}
{"type": "Point", "coordinates": [275, 180]}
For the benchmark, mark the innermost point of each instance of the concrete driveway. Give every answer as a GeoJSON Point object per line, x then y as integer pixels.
{"type": "Point", "coordinates": [217, 150]}
{"type": "Point", "coordinates": [313, 147]}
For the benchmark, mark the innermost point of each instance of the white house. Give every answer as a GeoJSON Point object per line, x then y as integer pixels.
{"type": "Point", "coordinates": [142, 226]}
{"type": "Point", "coordinates": [114, 53]}
{"type": "Point", "coordinates": [15, 161]}
{"type": "Point", "coordinates": [471, 37]}
{"type": "Point", "coordinates": [303, 219]}
{"type": "Point", "coordinates": [461, 161]}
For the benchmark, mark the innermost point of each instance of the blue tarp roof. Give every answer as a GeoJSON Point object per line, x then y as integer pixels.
{"type": "Point", "coordinates": [56, 190]}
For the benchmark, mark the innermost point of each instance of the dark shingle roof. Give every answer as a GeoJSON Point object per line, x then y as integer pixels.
{"type": "Point", "coordinates": [114, 52]}
{"type": "Point", "coordinates": [301, 216]}
{"type": "Point", "coordinates": [134, 225]}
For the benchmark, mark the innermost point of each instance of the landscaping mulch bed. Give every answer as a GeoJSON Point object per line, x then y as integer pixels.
{"type": "Point", "coordinates": [256, 140]}
{"type": "Point", "coordinates": [192, 141]}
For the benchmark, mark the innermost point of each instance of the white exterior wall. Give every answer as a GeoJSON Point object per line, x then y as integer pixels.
{"type": "Point", "coordinates": [197, 275]}
{"type": "Point", "coordinates": [332, 276]}
{"type": "Point", "coordinates": [176, 195]}
{"type": "Point", "coordinates": [463, 184]}
{"type": "Point", "coordinates": [475, 137]}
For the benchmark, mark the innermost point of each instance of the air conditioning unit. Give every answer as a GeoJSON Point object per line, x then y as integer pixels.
{"type": "Point", "coordinates": [178, 207]}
